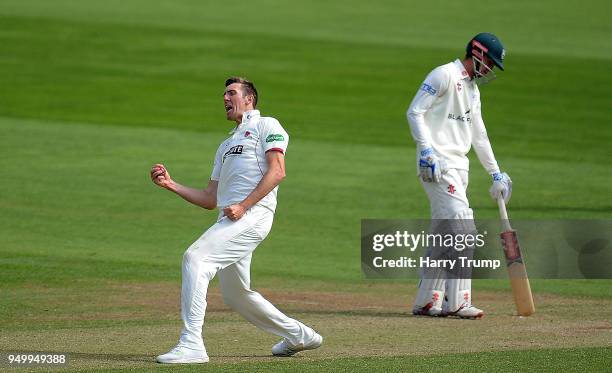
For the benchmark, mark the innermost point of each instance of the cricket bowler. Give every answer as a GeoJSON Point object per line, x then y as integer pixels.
{"type": "Point", "coordinates": [446, 121]}
{"type": "Point", "coordinates": [248, 167]}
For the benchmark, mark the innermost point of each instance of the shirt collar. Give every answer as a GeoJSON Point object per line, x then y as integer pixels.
{"type": "Point", "coordinates": [247, 118]}
{"type": "Point", "coordinates": [250, 116]}
{"type": "Point", "coordinates": [463, 74]}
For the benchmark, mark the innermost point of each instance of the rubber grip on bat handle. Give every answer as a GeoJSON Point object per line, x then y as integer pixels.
{"type": "Point", "coordinates": [503, 213]}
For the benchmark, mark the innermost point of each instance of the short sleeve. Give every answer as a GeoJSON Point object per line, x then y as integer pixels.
{"type": "Point", "coordinates": [218, 162]}
{"type": "Point", "coordinates": [273, 136]}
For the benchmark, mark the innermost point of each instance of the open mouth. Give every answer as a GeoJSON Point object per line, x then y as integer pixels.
{"type": "Point", "coordinates": [228, 107]}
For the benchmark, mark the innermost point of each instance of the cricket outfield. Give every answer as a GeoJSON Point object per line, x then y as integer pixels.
{"type": "Point", "coordinates": [94, 93]}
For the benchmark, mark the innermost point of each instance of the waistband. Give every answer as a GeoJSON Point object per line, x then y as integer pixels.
{"type": "Point", "coordinates": [256, 208]}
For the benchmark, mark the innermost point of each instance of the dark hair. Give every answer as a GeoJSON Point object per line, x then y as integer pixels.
{"type": "Point", "coordinates": [248, 88]}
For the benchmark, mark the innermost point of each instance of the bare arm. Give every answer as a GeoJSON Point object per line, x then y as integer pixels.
{"type": "Point", "coordinates": [206, 198]}
{"type": "Point", "coordinates": [272, 177]}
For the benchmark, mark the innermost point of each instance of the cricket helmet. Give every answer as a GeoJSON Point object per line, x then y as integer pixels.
{"type": "Point", "coordinates": [481, 45]}
{"type": "Point", "coordinates": [487, 44]}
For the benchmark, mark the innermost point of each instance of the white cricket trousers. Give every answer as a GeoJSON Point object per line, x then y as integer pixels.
{"type": "Point", "coordinates": [226, 248]}
{"type": "Point", "coordinates": [448, 200]}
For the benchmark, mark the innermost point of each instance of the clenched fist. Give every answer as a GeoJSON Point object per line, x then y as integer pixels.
{"type": "Point", "coordinates": [161, 177]}
{"type": "Point", "coordinates": [234, 212]}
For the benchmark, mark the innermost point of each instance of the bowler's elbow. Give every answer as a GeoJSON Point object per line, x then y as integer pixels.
{"type": "Point", "coordinates": [279, 175]}
{"type": "Point", "coordinates": [209, 203]}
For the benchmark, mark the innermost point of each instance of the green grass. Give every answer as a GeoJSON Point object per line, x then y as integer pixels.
{"type": "Point", "coordinates": [81, 204]}
{"type": "Point", "coordinates": [547, 360]}
{"type": "Point", "coordinates": [567, 360]}
{"type": "Point", "coordinates": [93, 93]}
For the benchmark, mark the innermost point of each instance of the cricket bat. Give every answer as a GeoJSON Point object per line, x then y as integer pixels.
{"type": "Point", "coordinates": [516, 266]}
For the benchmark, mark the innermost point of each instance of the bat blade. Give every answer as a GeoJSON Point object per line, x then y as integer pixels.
{"type": "Point", "coordinates": [519, 282]}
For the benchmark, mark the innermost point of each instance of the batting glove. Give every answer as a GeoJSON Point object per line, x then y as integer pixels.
{"type": "Point", "coordinates": [431, 166]}
{"type": "Point", "coordinates": [502, 186]}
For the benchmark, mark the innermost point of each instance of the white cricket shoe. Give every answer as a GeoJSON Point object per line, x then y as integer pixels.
{"type": "Point", "coordinates": [466, 312]}
{"type": "Point", "coordinates": [284, 348]}
{"type": "Point", "coordinates": [427, 310]}
{"type": "Point", "coordinates": [183, 355]}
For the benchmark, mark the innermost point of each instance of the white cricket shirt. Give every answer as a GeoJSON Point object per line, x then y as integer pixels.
{"type": "Point", "coordinates": [240, 162]}
{"type": "Point", "coordinates": [445, 115]}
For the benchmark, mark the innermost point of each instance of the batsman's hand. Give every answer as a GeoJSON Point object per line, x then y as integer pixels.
{"type": "Point", "coordinates": [502, 186]}
{"type": "Point", "coordinates": [161, 177]}
{"type": "Point", "coordinates": [431, 167]}
{"type": "Point", "coordinates": [234, 212]}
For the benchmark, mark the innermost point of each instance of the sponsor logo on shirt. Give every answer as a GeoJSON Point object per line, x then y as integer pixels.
{"type": "Point", "coordinates": [247, 133]}
{"type": "Point", "coordinates": [234, 150]}
{"type": "Point", "coordinates": [429, 89]}
{"type": "Point", "coordinates": [460, 117]}
{"type": "Point", "coordinates": [275, 137]}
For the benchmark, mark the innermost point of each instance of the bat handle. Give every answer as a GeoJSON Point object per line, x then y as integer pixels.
{"type": "Point", "coordinates": [503, 214]}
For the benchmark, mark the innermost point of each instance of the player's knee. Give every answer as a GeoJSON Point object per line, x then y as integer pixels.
{"type": "Point", "coordinates": [189, 257]}
{"type": "Point", "coordinates": [194, 261]}
{"type": "Point", "coordinates": [464, 220]}
{"type": "Point", "coordinates": [229, 300]}
{"type": "Point", "coordinates": [451, 210]}
{"type": "Point", "coordinates": [466, 214]}
{"type": "Point", "coordinates": [235, 296]}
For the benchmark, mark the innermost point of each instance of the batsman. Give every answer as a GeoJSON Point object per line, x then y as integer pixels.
{"type": "Point", "coordinates": [446, 121]}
